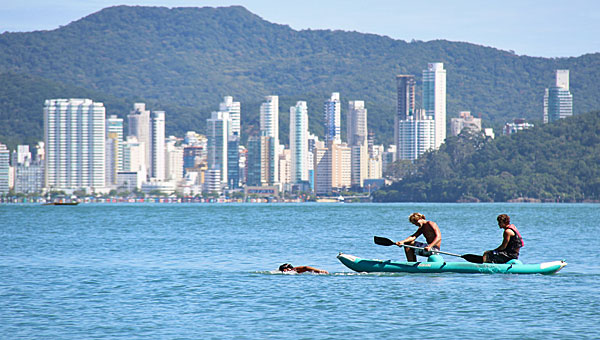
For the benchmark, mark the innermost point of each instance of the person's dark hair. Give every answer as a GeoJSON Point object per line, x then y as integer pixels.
{"type": "Point", "coordinates": [503, 218]}
{"type": "Point", "coordinates": [285, 266]}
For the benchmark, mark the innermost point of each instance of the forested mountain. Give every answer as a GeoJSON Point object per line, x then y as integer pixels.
{"type": "Point", "coordinates": [184, 60]}
{"type": "Point", "coordinates": [553, 162]}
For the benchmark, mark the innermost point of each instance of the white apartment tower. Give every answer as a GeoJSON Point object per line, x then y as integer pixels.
{"type": "Point", "coordinates": [333, 120]}
{"type": "Point", "coordinates": [173, 161]}
{"type": "Point", "coordinates": [139, 126]}
{"type": "Point", "coordinates": [299, 142]}
{"type": "Point", "coordinates": [4, 169]}
{"type": "Point", "coordinates": [134, 154]}
{"type": "Point", "coordinates": [75, 138]}
{"type": "Point", "coordinates": [434, 99]}
{"type": "Point", "coordinates": [558, 100]}
{"type": "Point", "coordinates": [234, 110]}
{"type": "Point", "coordinates": [416, 135]}
{"type": "Point", "coordinates": [356, 122]}
{"type": "Point", "coordinates": [158, 145]}
{"type": "Point", "coordinates": [269, 127]}
{"type": "Point", "coordinates": [114, 148]}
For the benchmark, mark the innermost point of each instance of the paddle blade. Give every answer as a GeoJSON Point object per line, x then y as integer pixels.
{"type": "Point", "coordinates": [473, 258]}
{"type": "Point", "coordinates": [382, 241]}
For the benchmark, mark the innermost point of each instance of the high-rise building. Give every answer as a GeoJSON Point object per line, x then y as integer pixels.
{"type": "Point", "coordinates": [134, 167]}
{"type": "Point", "coordinates": [40, 153]}
{"type": "Point", "coordinates": [233, 162]}
{"type": "Point", "coordinates": [406, 96]}
{"type": "Point", "coordinates": [558, 100]}
{"type": "Point", "coordinates": [269, 117]}
{"type": "Point", "coordinates": [322, 170]}
{"type": "Point", "coordinates": [21, 156]}
{"type": "Point", "coordinates": [134, 154]}
{"type": "Point", "coordinates": [111, 158]}
{"type": "Point", "coordinates": [299, 142]}
{"type": "Point", "coordinates": [173, 160]}
{"type": "Point", "coordinates": [157, 133]}
{"type": "Point", "coordinates": [285, 168]}
{"type": "Point", "coordinates": [333, 120]}
{"type": "Point", "coordinates": [332, 167]}
{"type": "Point", "coordinates": [405, 104]}
{"type": "Point", "coordinates": [193, 156]}
{"type": "Point", "coordinates": [29, 173]}
{"type": "Point", "coordinates": [4, 169]}
{"type": "Point", "coordinates": [356, 122]}
{"type": "Point", "coordinates": [217, 133]}
{"type": "Point", "coordinates": [253, 161]}
{"type": "Point", "coordinates": [357, 141]}
{"type": "Point", "coordinates": [359, 164]}
{"type": "Point", "coordinates": [114, 125]}
{"type": "Point", "coordinates": [234, 110]}
{"type": "Point", "coordinates": [139, 126]}
{"type": "Point", "coordinates": [434, 99]}
{"type": "Point", "coordinates": [114, 148]}
{"type": "Point", "coordinates": [269, 127]}
{"type": "Point", "coordinates": [75, 139]}
{"type": "Point", "coordinates": [29, 178]}
{"type": "Point", "coordinates": [416, 135]}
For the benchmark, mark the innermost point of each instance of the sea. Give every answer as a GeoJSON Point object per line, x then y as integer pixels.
{"type": "Point", "coordinates": [208, 271]}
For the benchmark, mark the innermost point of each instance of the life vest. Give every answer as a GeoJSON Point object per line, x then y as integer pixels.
{"type": "Point", "coordinates": [514, 244]}
{"type": "Point", "coordinates": [517, 233]}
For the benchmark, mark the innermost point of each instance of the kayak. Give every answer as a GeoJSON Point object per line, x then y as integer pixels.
{"type": "Point", "coordinates": [436, 264]}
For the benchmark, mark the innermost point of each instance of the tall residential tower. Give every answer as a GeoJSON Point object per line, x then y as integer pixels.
{"type": "Point", "coordinates": [558, 100]}
{"type": "Point", "coordinates": [75, 137]}
{"type": "Point", "coordinates": [269, 133]}
{"type": "Point", "coordinates": [434, 99]}
{"type": "Point", "coordinates": [299, 142]}
{"type": "Point", "coordinates": [333, 120]}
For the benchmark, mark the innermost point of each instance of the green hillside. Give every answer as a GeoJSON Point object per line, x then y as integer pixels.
{"type": "Point", "coordinates": [552, 162]}
{"type": "Point", "coordinates": [184, 60]}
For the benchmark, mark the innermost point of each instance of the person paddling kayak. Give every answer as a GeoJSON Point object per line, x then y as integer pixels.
{"type": "Point", "coordinates": [432, 234]}
{"type": "Point", "coordinates": [287, 267]}
{"type": "Point", "coordinates": [511, 243]}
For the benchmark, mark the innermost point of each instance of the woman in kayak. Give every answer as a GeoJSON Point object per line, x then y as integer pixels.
{"type": "Point", "coordinates": [286, 267]}
{"type": "Point", "coordinates": [432, 234]}
{"type": "Point", "coordinates": [511, 243]}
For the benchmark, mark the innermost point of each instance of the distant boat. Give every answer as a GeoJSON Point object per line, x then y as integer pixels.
{"type": "Point", "coordinates": [61, 203]}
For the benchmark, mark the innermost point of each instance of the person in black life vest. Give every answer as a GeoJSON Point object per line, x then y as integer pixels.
{"type": "Point", "coordinates": [511, 243]}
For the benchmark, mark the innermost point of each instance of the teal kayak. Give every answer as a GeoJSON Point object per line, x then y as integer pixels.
{"type": "Point", "coordinates": [436, 264]}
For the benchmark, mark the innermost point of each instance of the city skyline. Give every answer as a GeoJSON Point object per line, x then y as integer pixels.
{"type": "Point", "coordinates": [508, 25]}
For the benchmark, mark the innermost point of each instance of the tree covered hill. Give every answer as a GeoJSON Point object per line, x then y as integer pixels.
{"type": "Point", "coordinates": [554, 162]}
{"type": "Point", "coordinates": [184, 60]}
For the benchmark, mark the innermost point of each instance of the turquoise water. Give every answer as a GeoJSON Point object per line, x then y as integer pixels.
{"type": "Point", "coordinates": [206, 271]}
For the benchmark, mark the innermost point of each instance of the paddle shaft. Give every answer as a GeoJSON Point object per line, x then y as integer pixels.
{"type": "Point", "coordinates": [432, 250]}
{"type": "Point", "coordinates": [469, 257]}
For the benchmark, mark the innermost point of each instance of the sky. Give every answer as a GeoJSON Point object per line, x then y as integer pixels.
{"type": "Point", "coordinates": [548, 28]}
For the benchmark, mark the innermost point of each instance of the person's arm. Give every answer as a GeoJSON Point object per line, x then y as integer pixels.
{"type": "Point", "coordinates": [410, 238]}
{"type": "Point", "coordinates": [303, 269]}
{"type": "Point", "coordinates": [505, 239]}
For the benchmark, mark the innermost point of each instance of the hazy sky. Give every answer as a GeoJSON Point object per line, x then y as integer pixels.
{"type": "Point", "coordinates": [548, 28]}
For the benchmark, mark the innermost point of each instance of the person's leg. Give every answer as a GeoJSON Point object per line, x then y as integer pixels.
{"type": "Point", "coordinates": [486, 256]}
{"type": "Point", "coordinates": [410, 254]}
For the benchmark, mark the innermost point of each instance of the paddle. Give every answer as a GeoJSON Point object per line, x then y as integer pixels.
{"type": "Point", "coordinates": [382, 241]}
